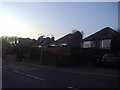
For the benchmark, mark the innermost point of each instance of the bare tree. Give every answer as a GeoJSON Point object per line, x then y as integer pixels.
{"type": "Point", "coordinates": [74, 30]}
{"type": "Point", "coordinates": [82, 33]}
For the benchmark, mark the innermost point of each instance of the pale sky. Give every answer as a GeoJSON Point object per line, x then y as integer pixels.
{"type": "Point", "coordinates": [28, 19]}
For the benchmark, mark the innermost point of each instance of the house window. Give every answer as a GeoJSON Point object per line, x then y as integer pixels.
{"type": "Point", "coordinates": [106, 43]}
{"type": "Point", "coordinates": [87, 44]}
{"type": "Point", "coordinates": [92, 43]}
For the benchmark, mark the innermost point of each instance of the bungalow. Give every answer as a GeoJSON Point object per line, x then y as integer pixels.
{"type": "Point", "coordinates": [107, 38]}
{"type": "Point", "coordinates": [72, 39]}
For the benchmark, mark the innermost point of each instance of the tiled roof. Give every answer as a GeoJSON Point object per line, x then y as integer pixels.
{"type": "Point", "coordinates": [105, 33]}
{"type": "Point", "coordinates": [71, 39]}
{"type": "Point", "coordinates": [64, 39]}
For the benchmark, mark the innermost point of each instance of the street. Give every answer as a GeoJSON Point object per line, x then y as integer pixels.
{"type": "Point", "coordinates": [16, 75]}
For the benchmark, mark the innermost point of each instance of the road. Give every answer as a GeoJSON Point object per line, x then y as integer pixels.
{"type": "Point", "coordinates": [20, 76]}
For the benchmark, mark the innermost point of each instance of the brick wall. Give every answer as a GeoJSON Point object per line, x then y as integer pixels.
{"type": "Point", "coordinates": [10, 57]}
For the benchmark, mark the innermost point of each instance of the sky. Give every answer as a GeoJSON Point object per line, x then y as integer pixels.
{"type": "Point", "coordinates": [33, 19]}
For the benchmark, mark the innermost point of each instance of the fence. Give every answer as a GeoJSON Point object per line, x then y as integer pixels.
{"type": "Point", "coordinates": [71, 56]}
{"type": "Point", "coordinates": [54, 56]}
{"type": "Point", "coordinates": [60, 56]}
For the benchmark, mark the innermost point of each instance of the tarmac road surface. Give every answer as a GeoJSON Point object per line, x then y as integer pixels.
{"type": "Point", "coordinates": [20, 76]}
